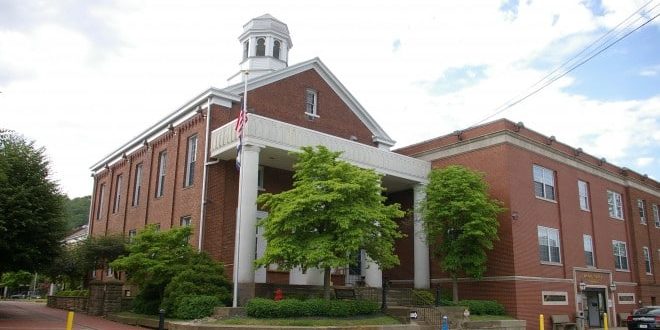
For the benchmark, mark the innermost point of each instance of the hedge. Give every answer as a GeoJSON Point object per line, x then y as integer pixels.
{"type": "Point", "coordinates": [72, 293]}
{"type": "Point", "coordinates": [196, 307]}
{"type": "Point", "coordinates": [266, 308]}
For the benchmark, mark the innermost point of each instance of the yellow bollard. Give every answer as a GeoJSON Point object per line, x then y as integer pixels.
{"type": "Point", "coordinates": [69, 321]}
{"type": "Point", "coordinates": [541, 322]}
{"type": "Point", "coordinates": [605, 321]}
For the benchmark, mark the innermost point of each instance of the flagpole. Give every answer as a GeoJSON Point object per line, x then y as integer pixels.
{"type": "Point", "coordinates": [237, 240]}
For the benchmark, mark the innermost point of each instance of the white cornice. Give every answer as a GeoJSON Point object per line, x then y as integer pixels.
{"type": "Point", "coordinates": [533, 146]}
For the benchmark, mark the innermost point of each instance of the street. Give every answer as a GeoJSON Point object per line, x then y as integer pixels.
{"type": "Point", "coordinates": [26, 315]}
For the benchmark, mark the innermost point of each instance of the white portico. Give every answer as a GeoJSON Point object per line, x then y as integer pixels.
{"type": "Point", "coordinates": [268, 142]}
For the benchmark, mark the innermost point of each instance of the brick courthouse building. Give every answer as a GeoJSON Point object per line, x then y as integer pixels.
{"type": "Point", "coordinates": [579, 234]}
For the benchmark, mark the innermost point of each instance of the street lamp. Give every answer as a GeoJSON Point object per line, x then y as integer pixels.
{"type": "Point", "coordinates": [583, 286]}
{"type": "Point", "coordinates": [612, 286]}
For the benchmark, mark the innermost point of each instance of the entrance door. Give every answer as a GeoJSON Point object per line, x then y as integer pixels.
{"type": "Point", "coordinates": [595, 306]}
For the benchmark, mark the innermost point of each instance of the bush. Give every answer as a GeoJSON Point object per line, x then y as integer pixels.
{"type": "Point", "coordinates": [423, 298]}
{"type": "Point", "coordinates": [147, 301]}
{"type": "Point", "coordinates": [72, 293]}
{"type": "Point", "coordinates": [196, 307]}
{"type": "Point", "coordinates": [483, 307]}
{"type": "Point", "coordinates": [266, 308]}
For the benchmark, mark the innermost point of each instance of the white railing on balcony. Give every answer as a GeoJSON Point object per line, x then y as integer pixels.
{"type": "Point", "coordinates": [273, 133]}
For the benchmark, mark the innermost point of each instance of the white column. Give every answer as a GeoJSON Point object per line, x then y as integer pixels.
{"type": "Point", "coordinates": [421, 247]}
{"type": "Point", "coordinates": [247, 213]}
{"type": "Point", "coordinates": [373, 276]}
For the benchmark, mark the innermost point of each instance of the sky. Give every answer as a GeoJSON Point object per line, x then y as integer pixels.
{"type": "Point", "coordinates": [82, 77]}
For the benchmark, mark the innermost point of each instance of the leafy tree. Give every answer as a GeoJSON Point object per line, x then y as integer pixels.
{"type": "Point", "coordinates": [333, 210]}
{"type": "Point", "coordinates": [460, 220]}
{"type": "Point", "coordinates": [76, 211]}
{"type": "Point", "coordinates": [31, 216]}
{"type": "Point", "coordinates": [15, 280]}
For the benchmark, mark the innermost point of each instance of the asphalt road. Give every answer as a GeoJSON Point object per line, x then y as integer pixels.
{"type": "Point", "coordinates": [25, 315]}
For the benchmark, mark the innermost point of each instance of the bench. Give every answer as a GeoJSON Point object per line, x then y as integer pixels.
{"type": "Point", "coordinates": [623, 319]}
{"type": "Point", "coordinates": [344, 293]}
{"type": "Point", "coordinates": [562, 322]}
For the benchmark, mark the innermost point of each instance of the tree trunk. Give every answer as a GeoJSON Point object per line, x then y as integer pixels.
{"type": "Point", "coordinates": [454, 289]}
{"type": "Point", "coordinates": [326, 283]}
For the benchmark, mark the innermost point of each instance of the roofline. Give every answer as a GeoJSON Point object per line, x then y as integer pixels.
{"type": "Point", "coordinates": [179, 113]}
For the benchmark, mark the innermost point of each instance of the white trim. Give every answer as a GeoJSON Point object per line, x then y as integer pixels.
{"type": "Point", "coordinates": [554, 293]}
{"type": "Point", "coordinates": [508, 137]}
{"type": "Point", "coordinates": [626, 294]}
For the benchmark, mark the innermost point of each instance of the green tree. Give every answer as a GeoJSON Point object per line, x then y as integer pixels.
{"type": "Point", "coordinates": [333, 210]}
{"type": "Point", "coordinates": [76, 211]}
{"type": "Point", "coordinates": [15, 280]}
{"type": "Point", "coordinates": [460, 221]}
{"type": "Point", "coordinates": [31, 216]}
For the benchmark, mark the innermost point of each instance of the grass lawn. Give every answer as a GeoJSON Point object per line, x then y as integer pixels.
{"type": "Point", "coordinates": [490, 317]}
{"type": "Point", "coordinates": [377, 319]}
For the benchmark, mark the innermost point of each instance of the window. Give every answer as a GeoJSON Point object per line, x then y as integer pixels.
{"type": "Point", "coordinates": [115, 206]}
{"type": "Point", "coordinates": [191, 160]}
{"type": "Point", "coordinates": [555, 297]}
{"type": "Point", "coordinates": [647, 260]}
{"type": "Point", "coordinates": [99, 209]}
{"type": "Point", "coordinates": [549, 244]}
{"type": "Point", "coordinates": [620, 255]}
{"type": "Point", "coordinates": [310, 102]}
{"type": "Point", "coordinates": [162, 166]}
{"type": "Point", "coordinates": [656, 216]}
{"type": "Point", "coordinates": [246, 46]}
{"type": "Point", "coordinates": [137, 185]}
{"type": "Point", "coordinates": [641, 206]}
{"type": "Point", "coordinates": [626, 298]}
{"type": "Point", "coordinates": [131, 235]}
{"type": "Point", "coordinates": [588, 250]}
{"type": "Point", "coordinates": [615, 204]}
{"type": "Point", "coordinates": [110, 272]}
{"type": "Point", "coordinates": [276, 49]}
{"type": "Point", "coordinates": [544, 182]}
{"type": "Point", "coordinates": [185, 221]}
{"type": "Point", "coordinates": [260, 178]}
{"type": "Point", "coordinates": [261, 47]}
{"type": "Point", "coordinates": [583, 192]}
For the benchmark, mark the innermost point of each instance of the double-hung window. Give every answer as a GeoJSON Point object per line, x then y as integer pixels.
{"type": "Point", "coordinates": [544, 182]}
{"type": "Point", "coordinates": [647, 259]}
{"type": "Point", "coordinates": [583, 194]}
{"type": "Point", "coordinates": [588, 250]}
{"type": "Point", "coordinates": [99, 208]}
{"type": "Point", "coordinates": [162, 166]}
{"type": "Point", "coordinates": [311, 97]}
{"type": "Point", "coordinates": [641, 207]}
{"type": "Point", "coordinates": [620, 255]}
{"type": "Point", "coordinates": [137, 185]}
{"type": "Point", "coordinates": [185, 221]}
{"type": "Point", "coordinates": [615, 204]}
{"type": "Point", "coordinates": [549, 244]}
{"type": "Point", "coordinates": [131, 235]}
{"type": "Point", "coordinates": [656, 216]}
{"type": "Point", "coordinates": [115, 206]}
{"type": "Point", "coordinates": [191, 160]}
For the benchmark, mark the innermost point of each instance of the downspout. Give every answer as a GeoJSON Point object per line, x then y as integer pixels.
{"type": "Point", "coordinates": [202, 207]}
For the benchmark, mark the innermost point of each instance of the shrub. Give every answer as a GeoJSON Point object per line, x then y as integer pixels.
{"type": "Point", "coordinates": [73, 293]}
{"type": "Point", "coordinates": [196, 307]}
{"type": "Point", "coordinates": [483, 307]}
{"type": "Point", "coordinates": [423, 298]}
{"type": "Point", "coordinates": [261, 308]}
{"type": "Point", "coordinates": [266, 308]}
{"type": "Point", "coordinates": [147, 301]}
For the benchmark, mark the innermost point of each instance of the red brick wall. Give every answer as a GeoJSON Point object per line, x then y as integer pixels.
{"type": "Point", "coordinates": [403, 247]}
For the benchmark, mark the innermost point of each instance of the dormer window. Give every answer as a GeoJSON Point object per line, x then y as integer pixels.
{"type": "Point", "coordinates": [261, 47]}
{"type": "Point", "coordinates": [276, 49]}
{"type": "Point", "coordinates": [246, 47]}
{"type": "Point", "coordinates": [310, 103]}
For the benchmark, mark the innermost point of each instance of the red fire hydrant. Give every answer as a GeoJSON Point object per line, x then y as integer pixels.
{"type": "Point", "coordinates": [279, 295]}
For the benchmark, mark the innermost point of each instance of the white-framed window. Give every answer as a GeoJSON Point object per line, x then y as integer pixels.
{"type": "Point", "coordinates": [583, 194]}
{"type": "Point", "coordinates": [131, 235]}
{"type": "Point", "coordinates": [615, 204]}
{"type": "Point", "coordinates": [99, 209]}
{"type": "Point", "coordinates": [549, 244]}
{"type": "Point", "coordinates": [185, 221]}
{"type": "Point", "coordinates": [620, 255]}
{"type": "Point", "coordinates": [191, 160]}
{"type": "Point", "coordinates": [246, 47]}
{"type": "Point", "coordinates": [647, 260]}
{"type": "Point", "coordinates": [641, 207]}
{"type": "Point", "coordinates": [137, 185]}
{"type": "Point", "coordinates": [626, 298]}
{"type": "Point", "coordinates": [544, 182]}
{"type": "Point", "coordinates": [261, 47]}
{"type": "Point", "coordinates": [260, 178]}
{"type": "Point", "coordinates": [110, 272]}
{"type": "Point", "coordinates": [311, 98]}
{"type": "Point", "coordinates": [588, 250]}
{"type": "Point", "coordinates": [115, 205]}
{"type": "Point", "coordinates": [554, 297]}
{"type": "Point", "coordinates": [162, 167]}
{"type": "Point", "coordinates": [276, 48]}
{"type": "Point", "coordinates": [656, 216]}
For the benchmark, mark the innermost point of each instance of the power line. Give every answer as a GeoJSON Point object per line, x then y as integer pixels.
{"type": "Point", "coordinates": [595, 52]}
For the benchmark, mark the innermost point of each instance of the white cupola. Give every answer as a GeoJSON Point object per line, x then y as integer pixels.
{"type": "Point", "coordinates": [265, 43]}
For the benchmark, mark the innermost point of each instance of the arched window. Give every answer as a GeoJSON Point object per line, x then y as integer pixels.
{"type": "Point", "coordinates": [246, 46]}
{"type": "Point", "coordinates": [261, 47]}
{"type": "Point", "coordinates": [276, 49]}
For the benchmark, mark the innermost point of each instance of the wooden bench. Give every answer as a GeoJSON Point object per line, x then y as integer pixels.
{"type": "Point", "coordinates": [562, 322]}
{"type": "Point", "coordinates": [623, 319]}
{"type": "Point", "coordinates": [344, 293]}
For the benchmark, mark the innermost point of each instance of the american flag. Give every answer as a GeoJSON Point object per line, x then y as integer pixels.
{"type": "Point", "coordinates": [240, 125]}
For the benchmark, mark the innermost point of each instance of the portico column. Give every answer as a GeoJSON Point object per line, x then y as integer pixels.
{"type": "Point", "coordinates": [373, 275]}
{"type": "Point", "coordinates": [422, 275]}
{"type": "Point", "coordinates": [247, 215]}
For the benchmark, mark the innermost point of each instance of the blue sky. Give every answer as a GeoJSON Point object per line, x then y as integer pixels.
{"type": "Point", "coordinates": [82, 77]}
